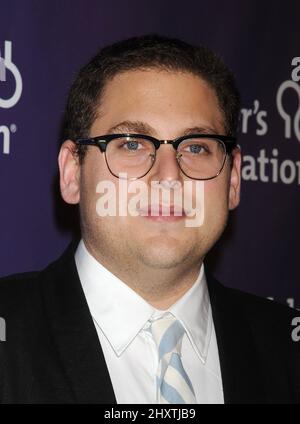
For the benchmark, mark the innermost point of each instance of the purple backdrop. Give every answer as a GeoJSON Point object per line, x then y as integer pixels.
{"type": "Point", "coordinates": [50, 40]}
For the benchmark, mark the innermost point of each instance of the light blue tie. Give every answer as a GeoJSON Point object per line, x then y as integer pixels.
{"type": "Point", "coordinates": [173, 383]}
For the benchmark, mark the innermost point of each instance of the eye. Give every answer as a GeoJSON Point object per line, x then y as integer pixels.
{"type": "Point", "coordinates": [131, 145]}
{"type": "Point", "coordinates": [195, 148]}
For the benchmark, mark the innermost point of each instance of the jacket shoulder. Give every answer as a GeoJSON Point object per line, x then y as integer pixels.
{"type": "Point", "coordinates": [272, 324]}
{"type": "Point", "coordinates": [267, 319]}
{"type": "Point", "coordinates": [22, 290]}
{"type": "Point", "coordinates": [15, 289]}
{"type": "Point", "coordinates": [22, 287]}
{"type": "Point", "coordinates": [258, 308]}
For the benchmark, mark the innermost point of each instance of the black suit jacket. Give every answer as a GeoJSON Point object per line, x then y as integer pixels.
{"type": "Point", "coordinates": [52, 353]}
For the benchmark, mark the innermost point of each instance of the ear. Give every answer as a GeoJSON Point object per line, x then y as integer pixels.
{"type": "Point", "coordinates": [69, 170]}
{"type": "Point", "coordinates": [235, 179]}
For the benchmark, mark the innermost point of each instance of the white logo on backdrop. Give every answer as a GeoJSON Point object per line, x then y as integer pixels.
{"type": "Point", "coordinates": [269, 166]}
{"type": "Point", "coordinates": [2, 330]}
{"type": "Point", "coordinates": [284, 114]}
{"type": "Point", "coordinates": [2, 69]}
{"type": "Point", "coordinates": [7, 65]}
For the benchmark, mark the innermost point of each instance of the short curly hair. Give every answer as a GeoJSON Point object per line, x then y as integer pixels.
{"type": "Point", "coordinates": [146, 52]}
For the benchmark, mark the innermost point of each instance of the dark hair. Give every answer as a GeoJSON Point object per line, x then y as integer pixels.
{"type": "Point", "coordinates": [146, 52]}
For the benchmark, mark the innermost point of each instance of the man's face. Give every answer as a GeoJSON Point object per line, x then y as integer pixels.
{"type": "Point", "coordinates": [165, 105]}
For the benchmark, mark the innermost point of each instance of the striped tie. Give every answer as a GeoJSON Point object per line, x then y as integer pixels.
{"type": "Point", "coordinates": [173, 383]}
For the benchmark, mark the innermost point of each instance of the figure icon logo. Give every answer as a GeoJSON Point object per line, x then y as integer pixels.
{"type": "Point", "coordinates": [7, 64]}
{"type": "Point", "coordinates": [2, 70]}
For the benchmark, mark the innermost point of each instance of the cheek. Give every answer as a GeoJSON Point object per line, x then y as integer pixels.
{"type": "Point", "coordinates": [94, 171]}
{"type": "Point", "coordinates": [216, 200]}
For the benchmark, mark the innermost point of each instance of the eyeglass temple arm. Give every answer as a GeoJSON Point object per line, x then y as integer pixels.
{"type": "Point", "coordinates": [102, 144]}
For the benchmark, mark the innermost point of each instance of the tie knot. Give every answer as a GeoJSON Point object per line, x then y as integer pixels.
{"type": "Point", "coordinates": [167, 333]}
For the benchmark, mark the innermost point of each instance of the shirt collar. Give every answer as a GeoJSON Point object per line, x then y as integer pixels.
{"type": "Point", "coordinates": [121, 313]}
{"type": "Point", "coordinates": [194, 311]}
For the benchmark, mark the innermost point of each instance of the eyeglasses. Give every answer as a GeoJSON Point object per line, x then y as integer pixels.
{"type": "Point", "coordinates": [199, 156]}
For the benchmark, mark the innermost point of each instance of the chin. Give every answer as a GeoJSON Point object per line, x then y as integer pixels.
{"type": "Point", "coordinates": [164, 253]}
{"type": "Point", "coordinates": [160, 262]}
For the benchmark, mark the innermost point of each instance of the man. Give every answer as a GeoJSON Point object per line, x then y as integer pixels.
{"type": "Point", "coordinates": [130, 315]}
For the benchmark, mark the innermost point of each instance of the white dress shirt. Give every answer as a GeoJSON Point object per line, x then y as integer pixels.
{"type": "Point", "coordinates": [121, 318]}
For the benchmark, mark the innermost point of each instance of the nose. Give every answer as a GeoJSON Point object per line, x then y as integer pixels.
{"type": "Point", "coordinates": [166, 167]}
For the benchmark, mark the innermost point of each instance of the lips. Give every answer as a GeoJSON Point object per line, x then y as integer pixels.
{"type": "Point", "coordinates": [164, 211]}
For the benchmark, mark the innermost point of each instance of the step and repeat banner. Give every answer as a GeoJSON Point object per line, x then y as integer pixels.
{"type": "Point", "coordinates": [43, 44]}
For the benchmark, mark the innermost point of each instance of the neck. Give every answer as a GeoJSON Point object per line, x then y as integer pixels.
{"type": "Point", "coordinates": [160, 287]}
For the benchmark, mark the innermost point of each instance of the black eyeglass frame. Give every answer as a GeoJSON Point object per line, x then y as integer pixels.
{"type": "Point", "coordinates": [102, 142]}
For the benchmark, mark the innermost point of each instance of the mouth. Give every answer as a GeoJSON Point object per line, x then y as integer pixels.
{"type": "Point", "coordinates": [163, 213]}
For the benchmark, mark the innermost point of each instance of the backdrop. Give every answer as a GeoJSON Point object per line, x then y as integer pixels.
{"type": "Point", "coordinates": [43, 43]}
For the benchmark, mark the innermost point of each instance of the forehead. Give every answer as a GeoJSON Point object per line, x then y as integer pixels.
{"type": "Point", "coordinates": [163, 99]}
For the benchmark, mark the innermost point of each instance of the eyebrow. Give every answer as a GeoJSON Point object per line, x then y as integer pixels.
{"type": "Point", "coordinates": [140, 127]}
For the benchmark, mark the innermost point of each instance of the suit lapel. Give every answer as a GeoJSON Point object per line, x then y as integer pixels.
{"type": "Point", "coordinates": [240, 367]}
{"type": "Point", "coordinates": [74, 332]}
